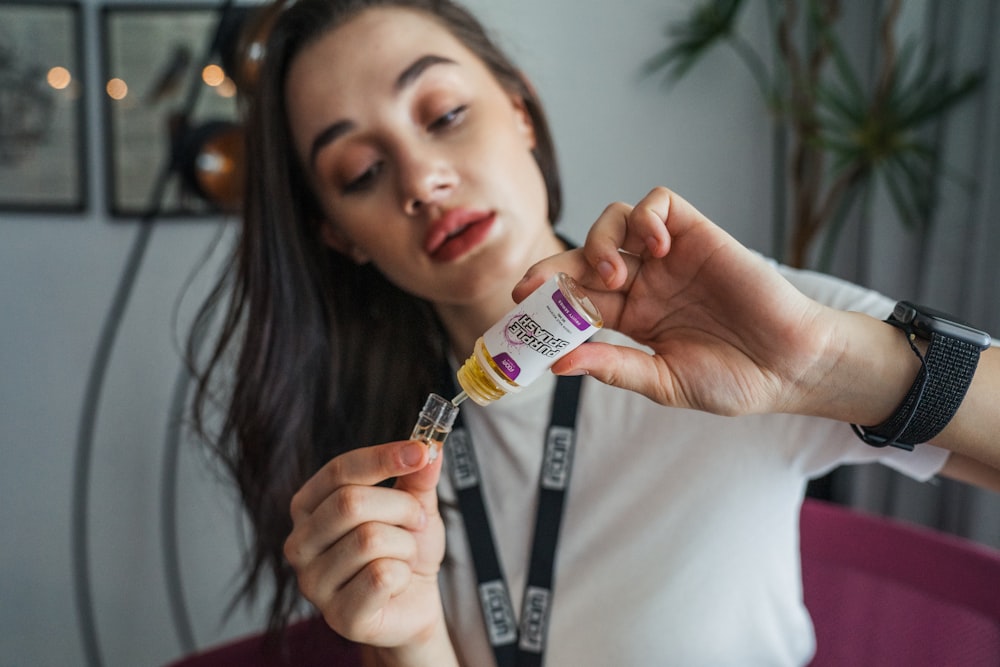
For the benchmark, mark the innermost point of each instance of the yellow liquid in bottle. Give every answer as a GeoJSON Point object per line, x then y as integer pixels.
{"type": "Point", "coordinates": [556, 314]}
{"type": "Point", "coordinates": [481, 386]}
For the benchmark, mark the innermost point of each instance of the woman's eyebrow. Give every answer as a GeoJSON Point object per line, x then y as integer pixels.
{"type": "Point", "coordinates": [327, 137]}
{"type": "Point", "coordinates": [406, 78]}
{"type": "Point", "coordinates": [413, 72]}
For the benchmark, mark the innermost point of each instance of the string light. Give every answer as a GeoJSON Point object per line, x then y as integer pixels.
{"type": "Point", "coordinates": [116, 88]}
{"type": "Point", "coordinates": [59, 78]}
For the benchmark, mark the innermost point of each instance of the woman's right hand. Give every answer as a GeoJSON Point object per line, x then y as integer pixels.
{"type": "Point", "coordinates": [368, 556]}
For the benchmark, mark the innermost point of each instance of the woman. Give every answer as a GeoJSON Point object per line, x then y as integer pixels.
{"type": "Point", "coordinates": [402, 182]}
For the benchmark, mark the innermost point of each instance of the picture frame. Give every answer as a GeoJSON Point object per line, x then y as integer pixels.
{"type": "Point", "coordinates": [43, 120]}
{"type": "Point", "coordinates": [152, 59]}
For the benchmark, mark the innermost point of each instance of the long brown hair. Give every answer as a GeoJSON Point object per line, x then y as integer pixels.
{"type": "Point", "coordinates": [314, 354]}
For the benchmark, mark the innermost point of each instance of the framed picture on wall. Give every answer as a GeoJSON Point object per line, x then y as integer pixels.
{"type": "Point", "coordinates": [42, 110]}
{"type": "Point", "coordinates": [156, 81]}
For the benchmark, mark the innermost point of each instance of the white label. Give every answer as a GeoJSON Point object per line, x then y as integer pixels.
{"type": "Point", "coordinates": [558, 458]}
{"type": "Point", "coordinates": [461, 460]}
{"type": "Point", "coordinates": [533, 336]}
{"type": "Point", "coordinates": [534, 619]}
{"type": "Point", "coordinates": [498, 612]}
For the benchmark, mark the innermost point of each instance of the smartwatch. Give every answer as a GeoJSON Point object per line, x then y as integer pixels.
{"type": "Point", "coordinates": [946, 371]}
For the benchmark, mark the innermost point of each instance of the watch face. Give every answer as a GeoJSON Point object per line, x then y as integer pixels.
{"type": "Point", "coordinates": [927, 321]}
{"type": "Point", "coordinates": [904, 312]}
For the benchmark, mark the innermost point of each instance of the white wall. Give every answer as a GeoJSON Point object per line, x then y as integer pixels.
{"type": "Point", "coordinates": [618, 136]}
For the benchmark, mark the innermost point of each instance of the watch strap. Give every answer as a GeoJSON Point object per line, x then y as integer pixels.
{"type": "Point", "coordinates": [945, 374]}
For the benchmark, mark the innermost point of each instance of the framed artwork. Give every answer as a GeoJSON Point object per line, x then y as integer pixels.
{"type": "Point", "coordinates": [42, 110]}
{"type": "Point", "coordinates": [156, 76]}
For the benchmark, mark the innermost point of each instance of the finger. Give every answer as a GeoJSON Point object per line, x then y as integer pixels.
{"type": "Point", "coordinates": [623, 367]}
{"type": "Point", "coordinates": [423, 480]}
{"type": "Point", "coordinates": [637, 230]}
{"type": "Point", "coordinates": [621, 233]}
{"type": "Point", "coordinates": [648, 222]}
{"type": "Point", "coordinates": [365, 466]}
{"type": "Point", "coordinates": [608, 302]}
{"type": "Point", "coordinates": [358, 609]}
{"type": "Point", "coordinates": [422, 487]}
{"type": "Point", "coordinates": [346, 510]}
{"type": "Point", "coordinates": [571, 262]}
{"type": "Point", "coordinates": [680, 215]}
{"type": "Point", "coordinates": [605, 241]}
{"type": "Point", "coordinates": [321, 577]}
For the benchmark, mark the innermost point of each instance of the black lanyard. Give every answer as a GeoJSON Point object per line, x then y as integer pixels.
{"type": "Point", "coordinates": [521, 644]}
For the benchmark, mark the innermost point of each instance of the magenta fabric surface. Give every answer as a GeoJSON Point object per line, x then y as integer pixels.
{"type": "Point", "coordinates": [881, 592]}
{"type": "Point", "coordinates": [884, 592]}
{"type": "Point", "coordinates": [309, 643]}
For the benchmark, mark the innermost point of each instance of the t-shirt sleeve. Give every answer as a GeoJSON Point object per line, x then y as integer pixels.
{"type": "Point", "coordinates": [838, 445]}
{"type": "Point", "coordinates": [825, 444]}
{"type": "Point", "coordinates": [836, 292]}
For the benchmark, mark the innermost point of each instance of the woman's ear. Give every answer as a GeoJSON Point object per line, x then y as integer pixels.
{"type": "Point", "coordinates": [524, 123]}
{"type": "Point", "coordinates": [337, 240]}
{"type": "Point", "coordinates": [523, 116]}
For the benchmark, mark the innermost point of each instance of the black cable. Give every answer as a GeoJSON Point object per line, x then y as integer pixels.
{"type": "Point", "coordinates": [169, 483]}
{"type": "Point", "coordinates": [94, 387]}
{"type": "Point", "coordinates": [85, 443]}
{"type": "Point", "coordinates": [168, 514]}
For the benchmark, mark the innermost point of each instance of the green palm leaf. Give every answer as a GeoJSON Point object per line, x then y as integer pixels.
{"type": "Point", "coordinates": [849, 135]}
{"type": "Point", "coordinates": [708, 24]}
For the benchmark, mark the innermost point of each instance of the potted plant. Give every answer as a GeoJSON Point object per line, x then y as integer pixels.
{"type": "Point", "coordinates": [837, 136]}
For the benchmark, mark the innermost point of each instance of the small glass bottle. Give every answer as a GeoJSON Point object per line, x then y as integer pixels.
{"type": "Point", "coordinates": [517, 350]}
{"type": "Point", "coordinates": [434, 423]}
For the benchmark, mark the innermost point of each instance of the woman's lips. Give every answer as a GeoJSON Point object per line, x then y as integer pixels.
{"type": "Point", "coordinates": [456, 233]}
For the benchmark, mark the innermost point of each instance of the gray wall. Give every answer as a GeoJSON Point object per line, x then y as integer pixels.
{"type": "Point", "coordinates": [617, 136]}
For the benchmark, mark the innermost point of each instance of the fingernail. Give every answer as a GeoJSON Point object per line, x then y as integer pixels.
{"type": "Point", "coordinates": [575, 371]}
{"type": "Point", "coordinates": [412, 454]}
{"type": "Point", "coordinates": [606, 269]}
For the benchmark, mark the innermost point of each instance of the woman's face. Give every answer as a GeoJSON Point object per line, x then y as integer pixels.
{"type": "Point", "coordinates": [421, 161]}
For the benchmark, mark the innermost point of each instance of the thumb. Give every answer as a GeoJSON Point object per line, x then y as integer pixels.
{"type": "Point", "coordinates": [617, 366]}
{"type": "Point", "coordinates": [422, 483]}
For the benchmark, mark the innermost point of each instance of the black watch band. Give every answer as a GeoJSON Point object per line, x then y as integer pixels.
{"type": "Point", "coordinates": [946, 371]}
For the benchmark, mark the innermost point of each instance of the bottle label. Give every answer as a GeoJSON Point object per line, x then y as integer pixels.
{"type": "Point", "coordinates": [507, 365]}
{"type": "Point", "coordinates": [532, 337]}
{"type": "Point", "coordinates": [566, 309]}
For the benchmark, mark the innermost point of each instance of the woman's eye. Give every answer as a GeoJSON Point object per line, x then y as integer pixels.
{"type": "Point", "coordinates": [448, 119]}
{"type": "Point", "coordinates": [364, 181]}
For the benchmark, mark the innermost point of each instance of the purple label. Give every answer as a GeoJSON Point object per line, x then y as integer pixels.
{"type": "Point", "coordinates": [563, 305]}
{"type": "Point", "coordinates": [507, 365]}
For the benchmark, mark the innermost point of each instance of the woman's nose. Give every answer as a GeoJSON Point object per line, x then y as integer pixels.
{"type": "Point", "coordinates": [426, 181]}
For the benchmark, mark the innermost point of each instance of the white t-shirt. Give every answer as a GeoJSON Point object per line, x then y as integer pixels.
{"type": "Point", "coordinates": [679, 542]}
